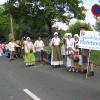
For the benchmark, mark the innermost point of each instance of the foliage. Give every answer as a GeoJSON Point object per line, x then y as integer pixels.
{"type": "Point", "coordinates": [44, 12]}
{"type": "Point", "coordinates": [75, 28]}
{"type": "Point", "coordinates": [95, 57]}
{"type": "Point", "coordinates": [97, 24]}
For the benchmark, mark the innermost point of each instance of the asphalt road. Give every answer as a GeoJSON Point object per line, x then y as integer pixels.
{"type": "Point", "coordinates": [45, 82]}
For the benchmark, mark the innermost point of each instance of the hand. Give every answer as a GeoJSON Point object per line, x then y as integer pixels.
{"type": "Point", "coordinates": [89, 50]}
{"type": "Point", "coordinates": [52, 43]}
{"type": "Point", "coordinates": [26, 53]}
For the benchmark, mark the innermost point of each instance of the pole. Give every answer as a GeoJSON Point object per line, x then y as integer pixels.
{"type": "Point", "coordinates": [11, 24]}
{"type": "Point", "coordinates": [88, 65]}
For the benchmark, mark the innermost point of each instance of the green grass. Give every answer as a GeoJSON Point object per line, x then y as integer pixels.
{"type": "Point", "coordinates": [95, 57]}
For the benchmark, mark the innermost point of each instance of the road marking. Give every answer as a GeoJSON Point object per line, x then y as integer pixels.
{"type": "Point", "coordinates": [31, 94]}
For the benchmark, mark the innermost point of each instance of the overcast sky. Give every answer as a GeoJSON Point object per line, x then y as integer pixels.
{"type": "Point", "coordinates": [89, 16]}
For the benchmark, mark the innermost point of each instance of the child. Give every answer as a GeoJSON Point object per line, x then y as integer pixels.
{"type": "Point", "coordinates": [69, 51]}
{"type": "Point", "coordinates": [79, 63]}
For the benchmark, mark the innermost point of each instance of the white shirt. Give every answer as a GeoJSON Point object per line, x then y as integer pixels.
{"type": "Point", "coordinates": [56, 41]}
{"type": "Point", "coordinates": [39, 45]}
{"type": "Point", "coordinates": [70, 43]}
{"type": "Point", "coordinates": [12, 46]}
{"type": "Point", "coordinates": [29, 45]}
{"type": "Point", "coordinates": [69, 52]}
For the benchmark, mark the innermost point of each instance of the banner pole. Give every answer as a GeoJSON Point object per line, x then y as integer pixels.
{"type": "Point", "coordinates": [88, 65]}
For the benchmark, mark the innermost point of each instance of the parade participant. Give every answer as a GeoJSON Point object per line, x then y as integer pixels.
{"type": "Point", "coordinates": [85, 54]}
{"type": "Point", "coordinates": [70, 43]}
{"type": "Point", "coordinates": [12, 46]}
{"type": "Point", "coordinates": [1, 47]}
{"type": "Point", "coordinates": [66, 37]}
{"type": "Point", "coordinates": [56, 57]}
{"type": "Point", "coordinates": [78, 65]}
{"type": "Point", "coordinates": [39, 45]}
{"type": "Point", "coordinates": [63, 52]}
{"type": "Point", "coordinates": [29, 58]}
{"type": "Point", "coordinates": [69, 60]}
{"type": "Point", "coordinates": [23, 45]}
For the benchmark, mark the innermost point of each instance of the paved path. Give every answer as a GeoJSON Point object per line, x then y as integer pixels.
{"type": "Point", "coordinates": [18, 82]}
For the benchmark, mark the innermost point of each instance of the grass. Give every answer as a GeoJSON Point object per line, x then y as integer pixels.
{"type": "Point", "coordinates": [95, 57]}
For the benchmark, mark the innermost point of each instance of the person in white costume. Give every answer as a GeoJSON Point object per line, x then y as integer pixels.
{"type": "Point", "coordinates": [56, 57]}
{"type": "Point", "coordinates": [69, 60]}
{"type": "Point", "coordinates": [29, 58]}
{"type": "Point", "coordinates": [70, 43]}
{"type": "Point", "coordinates": [12, 46]}
{"type": "Point", "coordinates": [63, 52]}
{"type": "Point", "coordinates": [78, 53]}
{"type": "Point", "coordinates": [39, 45]}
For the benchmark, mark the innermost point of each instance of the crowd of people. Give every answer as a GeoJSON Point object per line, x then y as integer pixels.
{"type": "Point", "coordinates": [76, 58]}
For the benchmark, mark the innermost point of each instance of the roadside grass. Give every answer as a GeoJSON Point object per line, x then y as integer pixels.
{"type": "Point", "coordinates": [95, 57]}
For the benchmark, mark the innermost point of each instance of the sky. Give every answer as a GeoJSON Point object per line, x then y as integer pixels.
{"type": "Point", "coordinates": [89, 16]}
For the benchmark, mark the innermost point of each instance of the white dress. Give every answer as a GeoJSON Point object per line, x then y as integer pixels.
{"type": "Point", "coordinates": [70, 43]}
{"type": "Point", "coordinates": [56, 42]}
{"type": "Point", "coordinates": [69, 59]}
{"type": "Point", "coordinates": [79, 56]}
{"type": "Point", "coordinates": [63, 52]}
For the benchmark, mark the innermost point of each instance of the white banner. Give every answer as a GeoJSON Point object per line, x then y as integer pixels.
{"type": "Point", "coordinates": [89, 40]}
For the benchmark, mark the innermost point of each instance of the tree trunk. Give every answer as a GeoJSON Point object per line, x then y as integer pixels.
{"type": "Point", "coordinates": [50, 25]}
{"type": "Point", "coordinates": [50, 28]}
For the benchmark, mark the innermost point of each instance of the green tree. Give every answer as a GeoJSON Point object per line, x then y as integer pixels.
{"type": "Point", "coordinates": [75, 28]}
{"type": "Point", "coordinates": [53, 10]}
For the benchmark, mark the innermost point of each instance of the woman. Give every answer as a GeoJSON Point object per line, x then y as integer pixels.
{"type": "Point", "coordinates": [77, 53]}
{"type": "Point", "coordinates": [1, 47]}
{"type": "Point", "coordinates": [29, 58]}
{"type": "Point", "coordinates": [70, 43]}
{"type": "Point", "coordinates": [56, 57]}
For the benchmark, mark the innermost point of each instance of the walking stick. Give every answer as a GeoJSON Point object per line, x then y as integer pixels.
{"type": "Point", "coordinates": [88, 65]}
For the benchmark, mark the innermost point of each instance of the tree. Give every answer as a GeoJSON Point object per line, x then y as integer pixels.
{"type": "Point", "coordinates": [45, 12]}
{"type": "Point", "coordinates": [75, 28]}
{"type": "Point", "coordinates": [97, 24]}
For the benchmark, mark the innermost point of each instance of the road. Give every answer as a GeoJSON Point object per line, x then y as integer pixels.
{"type": "Point", "coordinates": [43, 82]}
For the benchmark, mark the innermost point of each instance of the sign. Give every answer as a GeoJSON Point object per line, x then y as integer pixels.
{"type": "Point", "coordinates": [89, 40]}
{"type": "Point", "coordinates": [95, 9]}
{"type": "Point", "coordinates": [11, 36]}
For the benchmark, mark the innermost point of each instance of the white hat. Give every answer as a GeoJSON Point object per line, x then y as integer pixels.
{"type": "Point", "coordinates": [55, 33]}
{"type": "Point", "coordinates": [70, 34]}
{"type": "Point", "coordinates": [76, 35]}
{"type": "Point", "coordinates": [66, 35]}
{"type": "Point", "coordinates": [28, 38]}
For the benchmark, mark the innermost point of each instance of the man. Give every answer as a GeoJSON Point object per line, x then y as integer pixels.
{"type": "Point", "coordinates": [39, 45]}
{"type": "Point", "coordinates": [12, 46]}
{"type": "Point", "coordinates": [85, 54]}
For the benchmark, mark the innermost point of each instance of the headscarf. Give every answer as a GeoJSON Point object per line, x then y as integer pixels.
{"type": "Point", "coordinates": [55, 33]}
{"type": "Point", "coordinates": [70, 34]}
{"type": "Point", "coordinates": [28, 38]}
{"type": "Point", "coordinates": [76, 35]}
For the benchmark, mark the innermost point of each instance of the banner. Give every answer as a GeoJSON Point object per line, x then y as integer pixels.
{"type": "Point", "coordinates": [89, 40]}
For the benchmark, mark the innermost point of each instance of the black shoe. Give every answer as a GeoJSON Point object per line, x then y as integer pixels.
{"type": "Point", "coordinates": [85, 71]}
{"type": "Point", "coordinates": [29, 65]}
{"type": "Point", "coordinates": [55, 67]}
{"type": "Point", "coordinates": [91, 73]}
{"type": "Point", "coordinates": [10, 59]}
